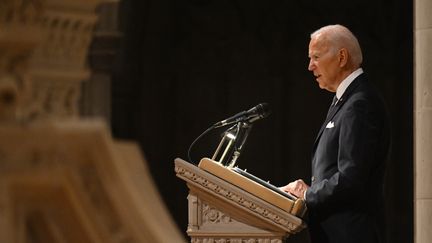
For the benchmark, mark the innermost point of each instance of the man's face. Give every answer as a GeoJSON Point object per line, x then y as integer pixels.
{"type": "Point", "coordinates": [324, 63]}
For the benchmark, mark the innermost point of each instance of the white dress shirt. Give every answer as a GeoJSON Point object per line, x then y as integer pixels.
{"type": "Point", "coordinates": [346, 82]}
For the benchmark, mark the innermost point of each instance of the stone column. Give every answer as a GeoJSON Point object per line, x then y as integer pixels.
{"type": "Point", "coordinates": [423, 122]}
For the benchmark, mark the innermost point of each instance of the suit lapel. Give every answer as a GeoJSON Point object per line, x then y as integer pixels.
{"type": "Point", "coordinates": [338, 105]}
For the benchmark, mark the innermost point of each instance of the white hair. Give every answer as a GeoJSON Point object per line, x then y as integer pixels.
{"type": "Point", "coordinates": [339, 37]}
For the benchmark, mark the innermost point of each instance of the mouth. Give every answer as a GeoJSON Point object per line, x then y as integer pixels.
{"type": "Point", "coordinates": [317, 76]}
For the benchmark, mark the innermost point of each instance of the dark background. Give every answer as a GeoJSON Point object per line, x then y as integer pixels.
{"type": "Point", "coordinates": [184, 65]}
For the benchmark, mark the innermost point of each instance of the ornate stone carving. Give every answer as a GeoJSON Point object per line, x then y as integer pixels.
{"type": "Point", "coordinates": [19, 34]}
{"type": "Point", "coordinates": [43, 52]}
{"type": "Point", "coordinates": [58, 65]}
{"type": "Point", "coordinates": [239, 199]}
{"type": "Point", "coordinates": [20, 11]}
{"type": "Point", "coordinates": [51, 99]}
{"type": "Point", "coordinates": [11, 93]}
{"type": "Point", "coordinates": [212, 215]}
{"type": "Point", "coordinates": [66, 39]}
{"type": "Point", "coordinates": [221, 212]}
{"type": "Point", "coordinates": [64, 181]}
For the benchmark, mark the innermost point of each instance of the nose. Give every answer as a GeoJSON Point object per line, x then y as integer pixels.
{"type": "Point", "coordinates": [311, 66]}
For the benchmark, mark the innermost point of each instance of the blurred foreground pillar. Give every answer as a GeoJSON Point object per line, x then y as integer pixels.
{"type": "Point", "coordinates": [63, 178]}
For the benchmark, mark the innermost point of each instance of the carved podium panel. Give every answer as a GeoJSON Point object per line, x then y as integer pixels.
{"type": "Point", "coordinates": [220, 211]}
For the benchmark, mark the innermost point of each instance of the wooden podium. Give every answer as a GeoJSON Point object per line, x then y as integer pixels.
{"type": "Point", "coordinates": [232, 208]}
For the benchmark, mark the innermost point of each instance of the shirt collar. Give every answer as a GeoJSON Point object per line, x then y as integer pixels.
{"type": "Point", "coordinates": [346, 82]}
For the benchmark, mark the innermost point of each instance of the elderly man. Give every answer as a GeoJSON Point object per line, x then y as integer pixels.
{"type": "Point", "coordinates": [345, 199]}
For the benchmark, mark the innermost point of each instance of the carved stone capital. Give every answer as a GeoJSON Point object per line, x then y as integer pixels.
{"type": "Point", "coordinates": [43, 56]}
{"type": "Point", "coordinates": [20, 33]}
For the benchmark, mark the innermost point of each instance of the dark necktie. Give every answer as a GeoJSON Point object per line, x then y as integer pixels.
{"type": "Point", "coordinates": [335, 100]}
{"type": "Point", "coordinates": [332, 106]}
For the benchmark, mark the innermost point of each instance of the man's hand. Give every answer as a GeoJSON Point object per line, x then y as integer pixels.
{"type": "Point", "coordinates": [297, 188]}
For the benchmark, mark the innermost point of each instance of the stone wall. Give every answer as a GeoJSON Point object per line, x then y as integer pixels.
{"type": "Point", "coordinates": [423, 121]}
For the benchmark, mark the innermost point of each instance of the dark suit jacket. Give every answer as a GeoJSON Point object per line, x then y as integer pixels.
{"type": "Point", "coordinates": [345, 200]}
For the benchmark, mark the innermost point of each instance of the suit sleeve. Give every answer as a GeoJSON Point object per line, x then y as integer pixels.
{"type": "Point", "coordinates": [356, 158]}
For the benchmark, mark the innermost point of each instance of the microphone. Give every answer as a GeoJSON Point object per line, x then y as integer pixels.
{"type": "Point", "coordinates": [255, 113]}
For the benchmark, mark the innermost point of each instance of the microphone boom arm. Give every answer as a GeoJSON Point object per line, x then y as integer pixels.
{"type": "Point", "coordinates": [234, 140]}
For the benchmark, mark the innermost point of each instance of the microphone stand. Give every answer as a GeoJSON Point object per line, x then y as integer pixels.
{"type": "Point", "coordinates": [233, 140]}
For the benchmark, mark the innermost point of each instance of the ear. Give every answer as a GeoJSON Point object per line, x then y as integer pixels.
{"type": "Point", "coordinates": [343, 57]}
